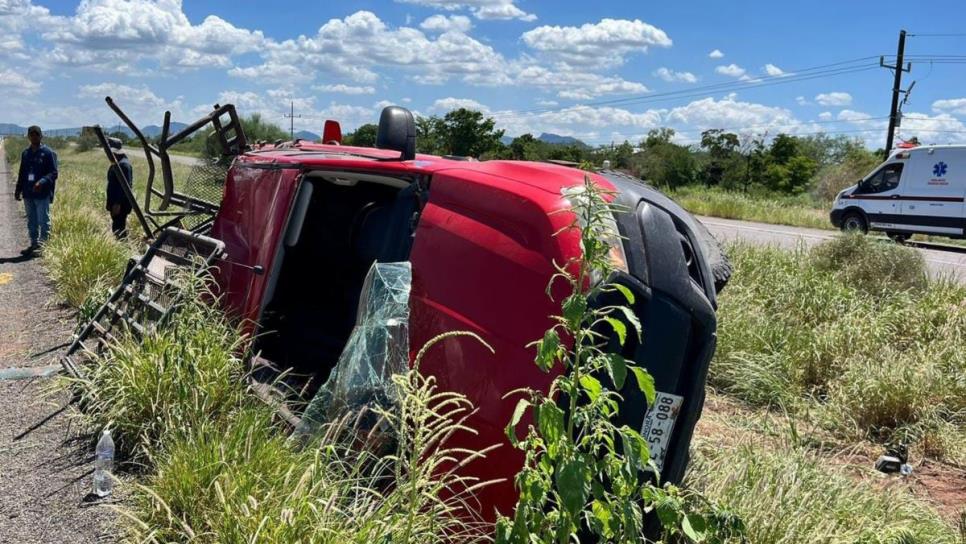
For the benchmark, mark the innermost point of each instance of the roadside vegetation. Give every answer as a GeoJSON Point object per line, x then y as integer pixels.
{"type": "Point", "coordinates": [850, 338]}
{"type": "Point", "coordinates": [82, 255]}
{"type": "Point", "coordinates": [851, 335]}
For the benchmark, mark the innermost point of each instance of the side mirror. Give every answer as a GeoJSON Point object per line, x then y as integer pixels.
{"type": "Point", "coordinates": [397, 130]}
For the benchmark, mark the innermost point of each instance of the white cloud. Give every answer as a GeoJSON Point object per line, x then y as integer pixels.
{"type": "Point", "coordinates": [955, 106]}
{"type": "Point", "coordinates": [481, 9]}
{"type": "Point", "coordinates": [774, 71]}
{"type": "Point", "coordinates": [444, 105]}
{"type": "Point", "coordinates": [732, 70]}
{"type": "Point", "coordinates": [570, 83]}
{"type": "Point", "coordinates": [353, 47]}
{"type": "Point", "coordinates": [834, 99]}
{"type": "Point", "coordinates": [825, 115]}
{"type": "Point", "coordinates": [443, 23]}
{"type": "Point", "coordinates": [270, 72]}
{"type": "Point", "coordinates": [716, 54]}
{"type": "Point", "coordinates": [802, 101]}
{"type": "Point", "coordinates": [13, 82]}
{"type": "Point", "coordinates": [123, 94]}
{"type": "Point", "coordinates": [930, 129]}
{"type": "Point", "coordinates": [106, 30]}
{"type": "Point", "coordinates": [606, 43]}
{"type": "Point", "coordinates": [671, 76]}
{"type": "Point", "coordinates": [732, 114]}
{"type": "Point", "coordinates": [345, 89]}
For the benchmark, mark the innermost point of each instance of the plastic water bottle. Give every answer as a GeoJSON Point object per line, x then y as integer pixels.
{"type": "Point", "coordinates": [103, 464]}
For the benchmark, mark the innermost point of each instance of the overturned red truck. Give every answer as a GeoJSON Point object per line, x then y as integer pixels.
{"type": "Point", "coordinates": [295, 227]}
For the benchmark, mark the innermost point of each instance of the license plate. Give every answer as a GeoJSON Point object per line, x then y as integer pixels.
{"type": "Point", "coordinates": [658, 424]}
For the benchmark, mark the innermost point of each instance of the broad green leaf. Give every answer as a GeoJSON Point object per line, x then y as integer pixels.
{"type": "Point", "coordinates": [573, 485]}
{"type": "Point", "coordinates": [635, 447]}
{"type": "Point", "coordinates": [619, 327]}
{"type": "Point", "coordinates": [617, 368]}
{"type": "Point", "coordinates": [632, 319]}
{"type": "Point", "coordinates": [628, 295]}
{"type": "Point", "coordinates": [694, 527]}
{"type": "Point", "coordinates": [591, 386]}
{"type": "Point", "coordinates": [574, 307]}
{"type": "Point", "coordinates": [646, 383]}
{"type": "Point", "coordinates": [511, 428]}
{"type": "Point", "coordinates": [602, 514]}
{"type": "Point", "coordinates": [547, 350]}
{"type": "Point", "coordinates": [550, 421]}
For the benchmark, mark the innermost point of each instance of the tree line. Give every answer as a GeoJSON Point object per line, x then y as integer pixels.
{"type": "Point", "coordinates": [821, 164]}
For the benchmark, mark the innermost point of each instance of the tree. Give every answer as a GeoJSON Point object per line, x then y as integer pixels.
{"type": "Point", "coordinates": [467, 133]}
{"type": "Point", "coordinates": [429, 135]}
{"type": "Point", "coordinates": [364, 136]}
{"type": "Point", "coordinates": [783, 148]}
{"type": "Point", "coordinates": [657, 136]}
{"type": "Point", "coordinates": [522, 147]}
{"type": "Point", "coordinates": [662, 162]}
{"type": "Point", "coordinates": [723, 165]}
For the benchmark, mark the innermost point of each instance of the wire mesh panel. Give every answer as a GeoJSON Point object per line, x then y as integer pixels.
{"type": "Point", "coordinates": [148, 294]}
{"type": "Point", "coordinates": [205, 183]}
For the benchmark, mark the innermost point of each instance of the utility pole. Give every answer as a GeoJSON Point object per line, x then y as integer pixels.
{"type": "Point", "coordinates": [292, 117]}
{"type": "Point", "coordinates": [896, 89]}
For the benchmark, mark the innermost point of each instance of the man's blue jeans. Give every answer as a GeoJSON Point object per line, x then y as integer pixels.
{"type": "Point", "coordinates": [38, 218]}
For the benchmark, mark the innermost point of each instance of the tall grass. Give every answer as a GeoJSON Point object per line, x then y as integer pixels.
{"type": "Point", "coordinates": [850, 333]}
{"type": "Point", "coordinates": [797, 211]}
{"type": "Point", "coordinates": [82, 254]}
{"type": "Point", "coordinates": [790, 496]}
{"type": "Point", "coordinates": [187, 376]}
{"type": "Point", "coordinates": [221, 469]}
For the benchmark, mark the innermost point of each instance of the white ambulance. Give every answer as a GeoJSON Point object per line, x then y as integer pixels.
{"type": "Point", "coordinates": [917, 190]}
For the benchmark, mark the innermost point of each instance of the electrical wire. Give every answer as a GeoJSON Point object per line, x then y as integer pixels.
{"type": "Point", "coordinates": [765, 81]}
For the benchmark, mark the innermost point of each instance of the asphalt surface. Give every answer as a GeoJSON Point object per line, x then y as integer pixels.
{"type": "Point", "coordinates": [45, 467]}
{"type": "Point", "coordinates": [950, 262]}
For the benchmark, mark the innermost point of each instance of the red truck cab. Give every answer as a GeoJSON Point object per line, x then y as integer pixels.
{"type": "Point", "coordinates": [303, 223]}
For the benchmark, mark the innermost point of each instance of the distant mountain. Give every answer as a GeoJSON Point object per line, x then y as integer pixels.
{"type": "Point", "coordinates": [306, 135]}
{"type": "Point", "coordinates": [150, 131]}
{"type": "Point", "coordinates": [551, 138]}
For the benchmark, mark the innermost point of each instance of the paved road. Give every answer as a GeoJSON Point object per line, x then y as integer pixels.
{"type": "Point", "coordinates": [44, 467]}
{"type": "Point", "coordinates": [940, 262]}
{"type": "Point", "coordinates": [137, 153]}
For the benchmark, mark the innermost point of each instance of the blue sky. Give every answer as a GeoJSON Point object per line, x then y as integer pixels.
{"type": "Point", "coordinates": [598, 70]}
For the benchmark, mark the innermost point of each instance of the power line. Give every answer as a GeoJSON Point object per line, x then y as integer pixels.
{"type": "Point", "coordinates": [836, 68]}
{"type": "Point", "coordinates": [706, 91]}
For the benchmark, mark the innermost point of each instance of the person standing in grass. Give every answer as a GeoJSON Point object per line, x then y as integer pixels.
{"type": "Point", "coordinates": [36, 182]}
{"type": "Point", "coordinates": [118, 203]}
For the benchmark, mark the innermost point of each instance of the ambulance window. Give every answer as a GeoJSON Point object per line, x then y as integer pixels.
{"type": "Point", "coordinates": [886, 179]}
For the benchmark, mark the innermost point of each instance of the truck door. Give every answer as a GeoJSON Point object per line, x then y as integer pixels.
{"type": "Point", "coordinates": [932, 196]}
{"type": "Point", "coordinates": [879, 197]}
{"type": "Point", "coordinates": [251, 223]}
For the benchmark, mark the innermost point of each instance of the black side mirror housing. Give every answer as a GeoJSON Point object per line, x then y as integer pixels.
{"type": "Point", "coordinates": [397, 130]}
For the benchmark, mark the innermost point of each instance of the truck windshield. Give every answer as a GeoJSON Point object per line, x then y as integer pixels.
{"type": "Point", "coordinates": [885, 179]}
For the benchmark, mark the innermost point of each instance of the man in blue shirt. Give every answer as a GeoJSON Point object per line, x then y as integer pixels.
{"type": "Point", "coordinates": [36, 182]}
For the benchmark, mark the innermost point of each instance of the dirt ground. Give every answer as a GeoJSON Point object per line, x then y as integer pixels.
{"type": "Point", "coordinates": [45, 468]}
{"type": "Point", "coordinates": [941, 485]}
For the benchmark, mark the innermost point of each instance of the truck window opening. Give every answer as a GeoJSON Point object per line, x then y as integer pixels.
{"type": "Point", "coordinates": [350, 223]}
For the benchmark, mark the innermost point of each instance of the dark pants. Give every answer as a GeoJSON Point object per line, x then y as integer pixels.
{"type": "Point", "coordinates": [119, 225]}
